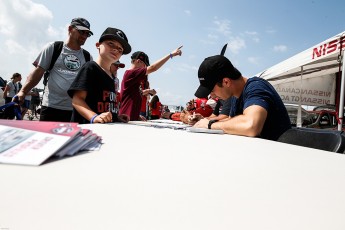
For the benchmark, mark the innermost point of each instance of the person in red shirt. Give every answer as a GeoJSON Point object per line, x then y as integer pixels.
{"type": "Point", "coordinates": [195, 109]}
{"type": "Point", "coordinates": [131, 97]}
{"type": "Point", "coordinates": [200, 102]}
{"type": "Point", "coordinates": [146, 93]}
{"type": "Point", "coordinates": [155, 108]}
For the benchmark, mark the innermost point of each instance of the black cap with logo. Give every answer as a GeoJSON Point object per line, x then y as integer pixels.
{"type": "Point", "coordinates": [118, 35]}
{"type": "Point", "coordinates": [213, 69]}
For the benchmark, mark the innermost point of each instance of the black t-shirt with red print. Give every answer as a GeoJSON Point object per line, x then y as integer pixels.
{"type": "Point", "coordinates": [100, 87]}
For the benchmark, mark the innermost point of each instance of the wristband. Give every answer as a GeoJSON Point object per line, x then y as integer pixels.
{"type": "Point", "coordinates": [210, 123]}
{"type": "Point", "coordinates": [171, 56]}
{"type": "Point", "coordinates": [93, 118]}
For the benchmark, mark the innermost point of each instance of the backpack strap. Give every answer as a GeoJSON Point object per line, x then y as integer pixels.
{"type": "Point", "coordinates": [86, 55]}
{"type": "Point", "coordinates": [56, 53]}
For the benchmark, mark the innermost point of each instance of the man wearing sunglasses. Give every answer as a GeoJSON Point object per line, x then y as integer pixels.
{"type": "Point", "coordinates": [56, 104]}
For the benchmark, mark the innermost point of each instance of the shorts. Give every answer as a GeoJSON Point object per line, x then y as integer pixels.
{"type": "Point", "coordinates": [51, 114]}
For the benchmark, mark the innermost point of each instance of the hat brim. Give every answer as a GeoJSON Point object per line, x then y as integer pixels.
{"type": "Point", "coordinates": [120, 65]}
{"type": "Point", "coordinates": [83, 28]}
{"type": "Point", "coordinates": [145, 62]}
{"type": "Point", "coordinates": [126, 47]}
{"type": "Point", "coordinates": [202, 92]}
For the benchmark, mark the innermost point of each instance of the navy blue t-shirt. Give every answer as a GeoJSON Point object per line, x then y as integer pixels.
{"type": "Point", "coordinates": [258, 91]}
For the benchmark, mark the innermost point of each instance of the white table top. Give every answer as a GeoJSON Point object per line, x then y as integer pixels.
{"type": "Point", "coordinates": [157, 179]}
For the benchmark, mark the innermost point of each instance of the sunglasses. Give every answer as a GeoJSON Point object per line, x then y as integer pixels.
{"type": "Point", "coordinates": [83, 32]}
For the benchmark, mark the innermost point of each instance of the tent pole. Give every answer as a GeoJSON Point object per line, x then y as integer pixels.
{"type": "Point", "coordinates": [341, 101]}
{"type": "Point", "coordinates": [299, 111]}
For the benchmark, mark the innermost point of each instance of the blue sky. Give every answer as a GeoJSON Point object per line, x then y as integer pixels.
{"type": "Point", "coordinates": [259, 34]}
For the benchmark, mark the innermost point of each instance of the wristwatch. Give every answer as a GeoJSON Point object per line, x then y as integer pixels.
{"type": "Point", "coordinates": [210, 123]}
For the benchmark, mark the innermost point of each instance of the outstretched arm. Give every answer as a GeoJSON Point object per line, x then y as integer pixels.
{"type": "Point", "coordinates": [158, 64]}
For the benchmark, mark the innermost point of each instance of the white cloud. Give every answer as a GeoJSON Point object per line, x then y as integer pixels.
{"type": "Point", "coordinates": [212, 36]}
{"type": "Point", "coordinates": [253, 60]}
{"type": "Point", "coordinates": [14, 47]}
{"type": "Point", "coordinates": [222, 26]}
{"type": "Point", "coordinates": [280, 48]}
{"type": "Point", "coordinates": [25, 27]}
{"type": "Point", "coordinates": [24, 17]}
{"type": "Point", "coordinates": [188, 12]}
{"type": "Point", "coordinates": [207, 42]}
{"type": "Point", "coordinates": [236, 44]}
{"type": "Point", "coordinates": [271, 31]}
{"type": "Point", "coordinates": [251, 33]}
{"type": "Point", "coordinates": [222, 29]}
{"type": "Point", "coordinates": [256, 39]}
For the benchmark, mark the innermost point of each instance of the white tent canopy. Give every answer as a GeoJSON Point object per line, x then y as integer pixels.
{"type": "Point", "coordinates": [308, 78]}
{"type": "Point", "coordinates": [315, 61]}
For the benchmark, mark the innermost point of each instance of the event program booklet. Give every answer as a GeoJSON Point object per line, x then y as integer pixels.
{"type": "Point", "coordinates": [33, 142]}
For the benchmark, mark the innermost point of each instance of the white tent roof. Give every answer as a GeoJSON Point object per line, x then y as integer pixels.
{"type": "Point", "coordinates": [318, 60]}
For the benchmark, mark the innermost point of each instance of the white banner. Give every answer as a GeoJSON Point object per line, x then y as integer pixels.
{"type": "Point", "coordinates": [312, 91]}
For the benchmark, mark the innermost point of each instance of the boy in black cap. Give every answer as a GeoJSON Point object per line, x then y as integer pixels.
{"type": "Point", "coordinates": [93, 92]}
{"type": "Point", "coordinates": [131, 97]}
{"type": "Point", "coordinates": [56, 104]}
{"type": "Point", "coordinates": [256, 110]}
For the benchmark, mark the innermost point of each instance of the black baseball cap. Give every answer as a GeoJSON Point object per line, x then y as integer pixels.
{"type": "Point", "coordinates": [81, 24]}
{"type": "Point", "coordinates": [141, 56]}
{"type": "Point", "coordinates": [212, 70]}
{"type": "Point", "coordinates": [118, 35]}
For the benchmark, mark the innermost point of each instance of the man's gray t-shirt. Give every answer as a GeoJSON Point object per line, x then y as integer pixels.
{"type": "Point", "coordinates": [61, 76]}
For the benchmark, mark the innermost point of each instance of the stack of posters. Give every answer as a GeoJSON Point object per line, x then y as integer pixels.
{"type": "Point", "coordinates": [33, 142]}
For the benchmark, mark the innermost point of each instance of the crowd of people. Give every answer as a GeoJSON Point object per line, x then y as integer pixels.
{"type": "Point", "coordinates": [29, 106]}
{"type": "Point", "coordinates": [83, 90]}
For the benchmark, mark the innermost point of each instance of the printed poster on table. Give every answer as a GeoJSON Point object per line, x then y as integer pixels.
{"type": "Point", "coordinates": [31, 143]}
